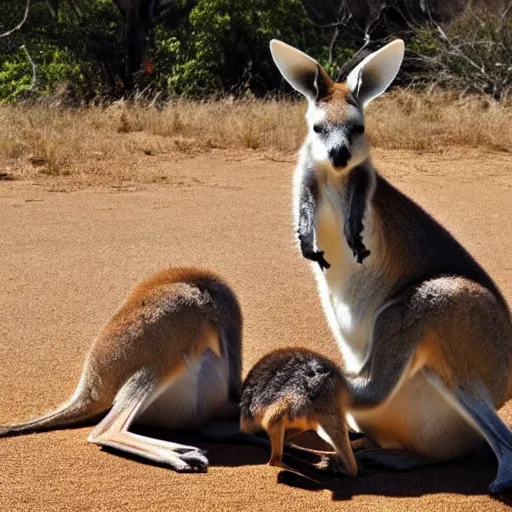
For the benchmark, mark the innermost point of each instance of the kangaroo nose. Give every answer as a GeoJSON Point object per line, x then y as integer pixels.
{"type": "Point", "coordinates": [339, 156]}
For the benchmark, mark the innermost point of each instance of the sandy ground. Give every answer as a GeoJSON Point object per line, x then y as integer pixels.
{"type": "Point", "coordinates": [68, 258]}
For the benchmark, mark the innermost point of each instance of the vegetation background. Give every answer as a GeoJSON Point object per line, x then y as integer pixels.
{"type": "Point", "coordinates": [92, 89]}
{"type": "Point", "coordinates": [103, 49]}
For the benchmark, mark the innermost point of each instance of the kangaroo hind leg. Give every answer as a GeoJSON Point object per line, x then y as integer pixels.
{"type": "Point", "coordinates": [135, 396]}
{"type": "Point", "coordinates": [474, 404]}
{"type": "Point", "coordinates": [276, 434]}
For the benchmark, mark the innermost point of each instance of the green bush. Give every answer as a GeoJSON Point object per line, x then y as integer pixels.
{"type": "Point", "coordinates": [201, 47]}
{"type": "Point", "coordinates": [79, 52]}
{"type": "Point", "coordinates": [222, 45]}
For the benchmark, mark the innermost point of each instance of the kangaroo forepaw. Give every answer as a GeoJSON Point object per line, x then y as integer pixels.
{"type": "Point", "coordinates": [324, 264]}
{"type": "Point", "coordinates": [318, 257]}
{"type": "Point", "coordinates": [361, 254]}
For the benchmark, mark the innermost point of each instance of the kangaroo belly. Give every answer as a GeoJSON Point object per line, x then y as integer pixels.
{"type": "Point", "coordinates": [351, 293]}
{"type": "Point", "coordinates": [192, 398]}
{"type": "Point", "coordinates": [418, 419]}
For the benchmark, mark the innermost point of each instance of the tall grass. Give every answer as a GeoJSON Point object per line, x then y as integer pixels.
{"type": "Point", "coordinates": [99, 140]}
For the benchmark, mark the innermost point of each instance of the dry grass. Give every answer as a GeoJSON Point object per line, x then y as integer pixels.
{"type": "Point", "coordinates": [430, 121]}
{"type": "Point", "coordinates": [114, 143]}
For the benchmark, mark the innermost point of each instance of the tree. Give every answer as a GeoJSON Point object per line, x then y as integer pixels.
{"type": "Point", "coordinates": [139, 17]}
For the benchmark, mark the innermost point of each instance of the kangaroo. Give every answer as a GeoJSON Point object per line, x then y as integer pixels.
{"type": "Point", "coordinates": [295, 389]}
{"type": "Point", "coordinates": [425, 333]}
{"type": "Point", "coordinates": [170, 357]}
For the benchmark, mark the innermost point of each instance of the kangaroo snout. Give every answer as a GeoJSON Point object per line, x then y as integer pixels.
{"type": "Point", "coordinates": [339, 156]}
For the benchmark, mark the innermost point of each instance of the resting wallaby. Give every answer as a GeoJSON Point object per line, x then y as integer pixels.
{"type": "Point", "coordinates": [296, 389]}
{"type": "Point", "coordinates": [170, 357]}
{"type": "Point", "coordinates": [421, 325]}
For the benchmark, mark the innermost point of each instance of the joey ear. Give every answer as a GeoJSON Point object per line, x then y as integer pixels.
{"type": "Point", "coordinates": [371, 77]}
{"type": "Point", "coordinates": [301, 71]}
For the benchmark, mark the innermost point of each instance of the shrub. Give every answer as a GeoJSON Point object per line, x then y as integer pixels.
{"type": "Point", "coordinates": [471, 55]}
{"type": "Point", "coordinates": [222, 46]}
{"type": "Point", "coordinates": [79, 53]}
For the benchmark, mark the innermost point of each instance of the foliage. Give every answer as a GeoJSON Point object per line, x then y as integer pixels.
{"type": "Point", "coordinates": [222, 45]}
{"type": "Point", "coordinates": [200, 47]}
{"type": "Point", "coordinates": [79, 52]}
{"type": "Point", "coordinates": [213, 47]}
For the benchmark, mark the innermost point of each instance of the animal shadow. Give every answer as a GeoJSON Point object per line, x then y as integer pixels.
{"type": "Point", "coordinates": [468, 477]}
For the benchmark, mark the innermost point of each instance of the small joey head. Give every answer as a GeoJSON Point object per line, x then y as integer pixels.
{"type": "Point", "coordinates": [335, 114]}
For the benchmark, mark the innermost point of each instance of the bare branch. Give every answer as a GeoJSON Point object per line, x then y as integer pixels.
{"type": "Point", "coordinates": [457, 50]}
{"type": "Point", "coordinates": [333, 42]}
{"type": "Point", "coordinates": [34, 69]}
{"type": "Point", "coordinates": [504, 14]}
{"type": "Point", "coordinates": [474, 56]}
{"type": "Point", "coordinates": [371, 23]}
{"type": "Point", "coordinates": [20, 24]}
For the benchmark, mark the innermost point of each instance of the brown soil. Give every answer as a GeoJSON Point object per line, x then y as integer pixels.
{"type": "Point", "coordinates": [68, 257]}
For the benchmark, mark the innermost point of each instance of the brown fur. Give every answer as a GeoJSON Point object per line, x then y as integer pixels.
{"type": "Point", "coordinates": [295, 389]}
{"type": "Point", "coordinates": [336, 103]}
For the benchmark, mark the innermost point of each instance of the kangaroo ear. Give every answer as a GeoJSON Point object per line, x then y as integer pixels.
{"type": "Point", "coordinates": [371, 77]}
{"type": "Point", "coordinates": [302, 72]}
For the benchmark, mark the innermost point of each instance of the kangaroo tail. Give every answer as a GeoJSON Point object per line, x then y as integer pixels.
{"type": "Point", "coordinates": [78, 410]}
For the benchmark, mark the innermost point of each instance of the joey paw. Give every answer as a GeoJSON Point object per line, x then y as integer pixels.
{"type": "Point", "coordinates": [330, 463]}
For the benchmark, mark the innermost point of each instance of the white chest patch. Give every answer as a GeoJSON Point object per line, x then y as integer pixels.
{"type": "Point", "coordinates": [349, 302]}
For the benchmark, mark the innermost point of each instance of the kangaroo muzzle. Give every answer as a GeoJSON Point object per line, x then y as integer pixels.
{"type": "Point", "coordinates": [339, 156]}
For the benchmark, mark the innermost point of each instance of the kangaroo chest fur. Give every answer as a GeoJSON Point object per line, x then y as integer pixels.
{"type": "Point", "coordinates": [351, 293]}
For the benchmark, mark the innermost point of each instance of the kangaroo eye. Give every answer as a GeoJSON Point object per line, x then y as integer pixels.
{"type": "Point", "coordinates": [318, 128]}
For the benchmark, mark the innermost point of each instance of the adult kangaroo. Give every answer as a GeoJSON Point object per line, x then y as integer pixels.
{"type": "Point", "coordinates": [425, 333]}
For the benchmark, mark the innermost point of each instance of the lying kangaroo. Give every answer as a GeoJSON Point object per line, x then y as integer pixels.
{"type": "Point", "coordinates": [296, 389]}
{"type": "Point", "coordinates": [421, 325]}
{"type": "Point", "coordinates": [170, 357]}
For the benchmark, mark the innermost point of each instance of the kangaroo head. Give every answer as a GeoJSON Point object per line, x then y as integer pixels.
{"type": "Point", "coordinates": [335, 114]}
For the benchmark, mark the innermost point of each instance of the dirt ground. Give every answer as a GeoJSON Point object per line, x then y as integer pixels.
{"type": "Point", "coordinates": [68, 257]}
